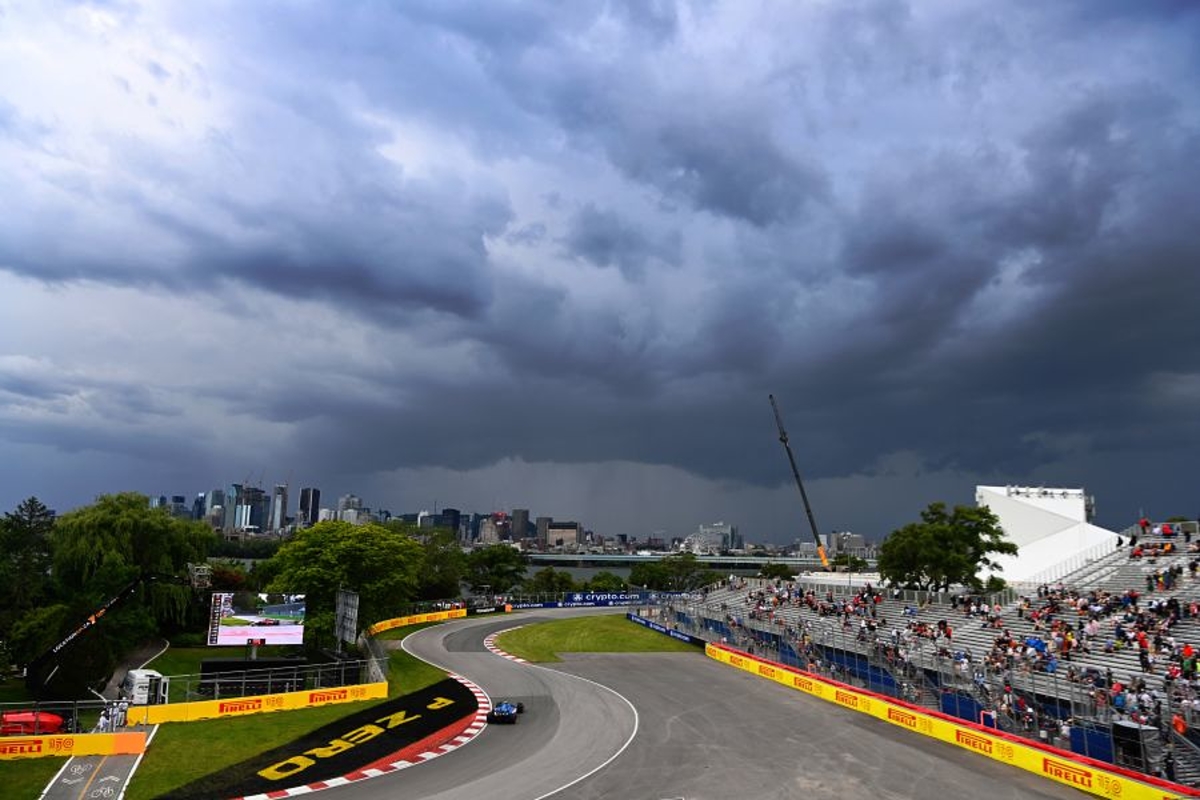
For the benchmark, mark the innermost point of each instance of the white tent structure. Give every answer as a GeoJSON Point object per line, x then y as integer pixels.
{"type": "Point", "coordinates": [1051, 528]}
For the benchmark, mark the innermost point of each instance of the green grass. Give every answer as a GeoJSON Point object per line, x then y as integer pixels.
{"type": "Point", "coordinates": [183, 752]}
{"type": "Point", "coordinates": [171, 761]}
{"type": "Point", "coordinates": [603, 634]}
{"type": "Point", "coordinates": [27, 777]}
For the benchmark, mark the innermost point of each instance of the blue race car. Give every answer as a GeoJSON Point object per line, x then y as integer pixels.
{"type": "Point", "coordinates": [505, 712]}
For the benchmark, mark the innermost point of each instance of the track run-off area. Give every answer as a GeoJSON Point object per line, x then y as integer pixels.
{"type": "Point", "coordinates": [672, 725]}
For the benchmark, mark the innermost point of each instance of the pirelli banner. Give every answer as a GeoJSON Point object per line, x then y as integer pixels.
{"type": "Point", "coordinates": [240, 706]}
{"type": "Point", "coordinates": [415, 619]}
{"type": "Point", "coordinates": [78, 744]}
{"type": "Point", "coordinates": [1085, 774]}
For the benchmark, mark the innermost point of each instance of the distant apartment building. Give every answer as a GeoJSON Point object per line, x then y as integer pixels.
{"type": "Point", "coordinates": [543, 531]}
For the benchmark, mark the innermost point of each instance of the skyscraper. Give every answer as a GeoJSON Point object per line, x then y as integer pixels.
{"type": "Point", "coordinates": [310, 506]}
{"type": "Point", "coordinates": [279, 508]}
{"type": "Point", "coordinates": [520, 523]}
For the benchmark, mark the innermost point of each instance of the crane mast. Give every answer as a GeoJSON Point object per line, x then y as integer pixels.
{"type": "Point", "coordinates": [783, 437]}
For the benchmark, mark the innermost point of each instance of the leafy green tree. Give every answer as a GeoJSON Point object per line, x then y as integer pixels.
{"type": "Point", "coordinates": [445, 566]}
{"type": "Point", "coordinates": [499, 566]}
{"type": "Point", "coordinates": [606, 582]}
{"type": "Point", "coordinates": [649, 575]}
{"type": "Point", "coordinates": [944, 548]}
{"type": "Point", "coordinates": [678, 572]}
{"type": "Point", "coordinates": [24, 561]}
{"type": "Point", "coordinates": [382, 565]}
{"type": "Point", "coordinates": [549, 581]}
{"type": "Point", "coordinates": [850, 562]}
{"type": "Point", "coordinates": [772, 570]}
{"type": "Point", "coordinates": [97, 552]}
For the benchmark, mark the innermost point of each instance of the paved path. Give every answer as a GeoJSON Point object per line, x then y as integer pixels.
{"type": "Point", "coordinates": [103, 777]}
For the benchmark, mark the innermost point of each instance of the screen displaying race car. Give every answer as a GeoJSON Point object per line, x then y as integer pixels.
{"type": "Point", "coordinates": [244, 617]}
{"type": "Point", "coordinates": [505, 712]}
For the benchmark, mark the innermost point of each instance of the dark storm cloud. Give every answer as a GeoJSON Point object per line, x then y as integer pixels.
{"type": "Point", "coordinates": [588, 232]}
{"type": "Point", "coordinates": [605, 239]}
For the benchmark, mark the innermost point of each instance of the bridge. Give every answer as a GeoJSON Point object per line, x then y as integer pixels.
{"type": "Point", "coordinates": [723, 564]}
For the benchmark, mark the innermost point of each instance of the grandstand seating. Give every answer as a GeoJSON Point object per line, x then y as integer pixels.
{"type": "Point", "coordinates": [951, 673]}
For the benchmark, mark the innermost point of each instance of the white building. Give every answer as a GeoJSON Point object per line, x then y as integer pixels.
{"type": "Point", "coordinates": [1051, 528]}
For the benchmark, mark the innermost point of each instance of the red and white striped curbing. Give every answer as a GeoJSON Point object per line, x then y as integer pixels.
{"type": "Point", "coordinates": [403, 759]}
{"type": "Point", "coordinates": [490, 643]}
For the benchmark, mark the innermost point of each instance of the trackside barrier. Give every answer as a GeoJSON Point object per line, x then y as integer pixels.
{"type": "Point", "coordinates": [1079, 772]}
{"type": "Point", "coordinates": [76, 744]}
{"type": "Point", "coordinates": [415, 619]}
{"type": "Point", "coordinates": [665, 631]}
{"type": "Point", "coordinates": [258, 704]}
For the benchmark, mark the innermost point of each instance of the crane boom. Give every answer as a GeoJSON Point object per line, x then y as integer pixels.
{"type": "Point", "coordinates": [783, 437]}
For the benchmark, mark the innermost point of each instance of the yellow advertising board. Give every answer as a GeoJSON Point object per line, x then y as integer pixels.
{"type": "Point", "coordinates": [76, 744]}
{"type": "Point", "coordinates": [1085, 774]}
{"type": "Point", "coordinates": [415, 619]}
{"type": "Point", "coordinates": [258, 704]}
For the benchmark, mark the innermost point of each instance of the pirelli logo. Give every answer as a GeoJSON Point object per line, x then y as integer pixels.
{"type": "Point", "coordinates": [902, 717]}
{"type": "Point", "coordinates": [328, 696]}
{"type": "Point", "coordinates": [1068, 773]}
{"type": "Point", "coordinates": [980, 744]}
{"type": "Point", "coordinates": [802, 683]}
{"type": "Point", "coordinates": [737, 661]}
{"type": "Point", "coordinates": [846, 699]}
{"type": "Point", "coordinates": [766, 671]}
{"type": "Point", "coordinates": [240, 706]}
{"type": "Point", "coordinates": [20, 747]}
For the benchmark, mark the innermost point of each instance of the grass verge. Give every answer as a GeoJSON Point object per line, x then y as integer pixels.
{"type": "Point", "coordinates": [601, 634]}
{"type": "Point", "coordinates": [172, 763]}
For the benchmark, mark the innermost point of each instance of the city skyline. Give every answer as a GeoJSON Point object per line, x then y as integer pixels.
{"type": "Point", "coordinates": [556, 256]}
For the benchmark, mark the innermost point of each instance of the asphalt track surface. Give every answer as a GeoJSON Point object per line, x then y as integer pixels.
{"type": "Point", "coordinates": [674, 725]}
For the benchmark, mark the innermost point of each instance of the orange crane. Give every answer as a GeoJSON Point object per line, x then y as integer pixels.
{"type": "Point", "coordinates": [783, 437]}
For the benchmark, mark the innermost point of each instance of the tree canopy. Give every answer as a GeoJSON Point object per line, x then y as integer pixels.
{"type": "Point", "coordinates": [97, 552]}
{"type": "Point", "coordinates": [944, 549]}
{"type": "Point", "coordinates": [498, 566]}
{"type": "Point", "coordinates": [678, 572]}
{"type": "Point", "coordinates": [383, 565]}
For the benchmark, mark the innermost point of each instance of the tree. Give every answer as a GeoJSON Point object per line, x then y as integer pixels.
{"type": "Point", "coordinates": [605, 581]}
{"type": "Point", "coordinates": [24, 561]}
{"type": "Point", "coordinates": [382, 565]}
{"type": "Point", "coordinates": [850, 562]}
{"type": "Point", "coordinates": [99, 553]}
{"type": "Point", "coordinates": [549, 581]}
{"type": "Point", "coordinates": [777, 571]}
{"type": "Point", "coordinates": [678, 572]}
{"type": "Point", "coordinates": [499, 566]}
{"type": "Point", "coordinates": [944, 548]}
{"type": "Point", "coordinates": [445, 566]}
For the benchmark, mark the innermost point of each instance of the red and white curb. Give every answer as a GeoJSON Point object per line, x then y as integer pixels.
{"type": "Point", "coordinates": [490, 643]}
{"type": "Point", "coordinates": [473, 729]}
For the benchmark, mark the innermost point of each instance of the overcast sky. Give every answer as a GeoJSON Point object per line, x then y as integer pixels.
{"type": "Point", "coordinates": [556, 255]}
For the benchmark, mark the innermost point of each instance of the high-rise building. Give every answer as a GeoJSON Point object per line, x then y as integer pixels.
{"type": "Point", "coordinates": [348, 502]}
{"type": "Point", "coordinates": [310, 506]}
{"type": "Point", "coordinates": [543, 530]}
{"type": "Point", "coordinates": [451, 519]}
{"type": "Point", "coordinates": [199, 506]}
{"type": "Point", "coordinates": [520, 523]}
{"type": "Point", "coordinates": [279, 508]}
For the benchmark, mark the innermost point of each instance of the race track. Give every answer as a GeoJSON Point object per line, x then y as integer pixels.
{"type": "Point", "coordinates": [700, 731]}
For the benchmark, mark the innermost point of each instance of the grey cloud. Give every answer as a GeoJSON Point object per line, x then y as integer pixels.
{"type": "Point", "coordinates": [605, 239]}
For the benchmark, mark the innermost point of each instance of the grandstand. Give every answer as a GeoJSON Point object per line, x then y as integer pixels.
{"type": "Point", "coordinates": [1101, 661]}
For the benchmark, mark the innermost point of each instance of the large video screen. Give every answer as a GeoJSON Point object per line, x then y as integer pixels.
{"type": "Point", "coordinates": [244, 618]}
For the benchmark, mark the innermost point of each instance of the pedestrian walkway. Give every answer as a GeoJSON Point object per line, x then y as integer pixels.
{"type": "Point", "coordinates": [105, 777]}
